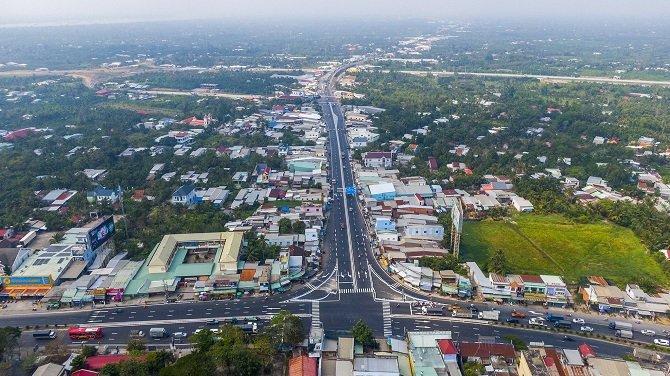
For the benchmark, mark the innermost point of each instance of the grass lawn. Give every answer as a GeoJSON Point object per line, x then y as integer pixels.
{"type": "Point", "coordinates": [552, 244]}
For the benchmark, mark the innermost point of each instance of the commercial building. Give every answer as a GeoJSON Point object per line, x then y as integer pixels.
{"type": "Point", "coordinates": [180, 256]}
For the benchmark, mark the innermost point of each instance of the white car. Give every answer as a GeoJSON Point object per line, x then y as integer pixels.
{"type": "Point", "coordinates": [578, 321]}
{"type": "Point", "coordinates": [662, 342]}
{"type": "Point", "coordinates": [180, 334]}
{"type": "Point", "coordinates": [648, 332]}
{"type": "Point", "coordinates": [533, 321]}
{"type": "Point", "coordinates": [586, 329]}
{"type": "Point", "coordinates": [534, 313]}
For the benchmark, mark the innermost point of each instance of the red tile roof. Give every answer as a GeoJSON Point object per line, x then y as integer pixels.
{"type": "Point", "coordinates": [98, 361]}
{"type": "Point", "coordinates": [302, 366]}
{"type": "Point", "coordinates": [447, 347]}
{"type": "Point", "coordinates": [531, 278]}
{"type": "Point", "coordinates": [486, 350]}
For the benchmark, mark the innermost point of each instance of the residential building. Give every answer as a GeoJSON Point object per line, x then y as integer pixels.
{"type": "Point", "coordinates": [184, 195]}
{"type": "Point", "coordinates": [378, 159]}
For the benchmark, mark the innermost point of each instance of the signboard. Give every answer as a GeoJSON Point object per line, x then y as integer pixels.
{"type": "Point", "coordinates": [101, 233]}
{"type": "Point", "coordinates": [25, 281]}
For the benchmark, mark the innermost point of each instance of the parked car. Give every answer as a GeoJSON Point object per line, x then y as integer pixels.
{"type": "Point", "coordinates": [180, 335]}
{"type": "Point", "coordinates": [578, 321]}
{"type": "Point", "coordinates": [212, 322]}
{"type": "Point", "coordinates": [512, 321]}
{"type": "Point", "coordinates": [567, 339]}
{"type": "Point", "coordinates": [136, 333]}
{"type": "Point", "coordinates": [662, 342]}
{"type": "Point", "coordinates": [648, 332]}
{"type": "Point", "coordinates": [586, 329]}
{"type": "Point", "coordinates": [535, 313]}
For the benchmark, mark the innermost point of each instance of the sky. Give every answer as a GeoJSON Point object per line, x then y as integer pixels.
{"type": "Point", "coordinates": [98, 11]}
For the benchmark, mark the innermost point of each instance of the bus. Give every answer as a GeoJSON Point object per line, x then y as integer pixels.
{"type": "Point", "coordinates": [45, 334]}
{"type": "Point", "coordinates": [81, 333]}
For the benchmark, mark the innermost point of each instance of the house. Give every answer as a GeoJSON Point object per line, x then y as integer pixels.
{"type": "Point", "coordinates": [432, 164]}
{"type": "Point", "coordinates": [184, 195]}
{"type": "Point", "coordinates": [359, 142]}
{"type": "Point", "coordinates": [521, 204]}
{"type": "Point", "coordinates": [50, 369]}
{"type": "Point", "coordinates": [384, 224]}
{"type": "Point", "coordinates": [302, 365]}
{"type": "Point", "coordinates": [103, 195]}
{"type": "Point", "coordinates": [382, 191]}
{"type": "Point", "coordinates": [378, 159]}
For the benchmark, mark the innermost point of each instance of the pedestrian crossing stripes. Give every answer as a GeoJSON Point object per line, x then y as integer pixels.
{"type": "Point", "coordinates": [316, 321]}
{"type": "Point", "coordinates": [356, 291]}
{"type": "Point", "coordinates": [386, 313]}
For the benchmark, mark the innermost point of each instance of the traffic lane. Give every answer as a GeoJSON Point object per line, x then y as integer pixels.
{"type": "Point", "coordinates": [44, 318]}
{"type": "Point", "coordinates": [194, 309]}
{"type": "Point", "coordinates": [122, 335]}
{"type": "Point", "coordinates": [472, 332]}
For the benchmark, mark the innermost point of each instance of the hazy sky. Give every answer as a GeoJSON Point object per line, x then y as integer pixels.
{"type": "Point", "coordinates": [94, 11]}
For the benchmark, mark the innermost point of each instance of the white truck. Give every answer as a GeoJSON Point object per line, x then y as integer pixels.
{"type": "Point", "coordinates": [624, 334]}
{"type": "Point", "coordinates": [158, 332]}
{"type": "Point", "coordinates": [493, 315]}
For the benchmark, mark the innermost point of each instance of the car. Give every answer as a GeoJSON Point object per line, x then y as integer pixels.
{"type": "Point", "coordinates": [586, 329]}
{"type": "Point", "coordinates": [136, 333]}
{"type": "Point", "coordinates": [533, 321]}
{"type": "Point", "coordinates": [648, 332]}
{"type": "Point", "coordinates": [578, 321]}
{"type": "Point", "coordinates": [518, 314]}
{"type": "Point", "coordinates": [662, 342]}
{"type": "Point", "coordinates": [214, 331]}
{"type": "Point", "coordinates": [212, 322]}
{"type": "Point", "coordinates": [180, 335]}
{"type": "Point", "coordinates": [534, 313]}
{"type": "Point", "coordinates": [512, 321]}
{"type": "Point", "coordinates": [567, 339]}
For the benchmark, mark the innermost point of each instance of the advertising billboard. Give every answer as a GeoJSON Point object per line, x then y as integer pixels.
{"type": "Point", "coordinates": [26, 281]}
{"type": "Point", "coordinates": [101, 233]}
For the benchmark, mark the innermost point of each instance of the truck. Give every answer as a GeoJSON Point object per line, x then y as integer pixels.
{"type": "Point", "coordinates": [617, 325]}
{"type": "Point", "coordinates": [462, 313]}
{"type": "Point", "coordinates": [45, 334]}
{"type": "Point", "coordinates": [493, 315]}
{"type": "Point", "coordinates": [554, 318]}
{"type": "Point", "coordinates": [158, 332]}
{"type": "Point", "coordinates": [565, 324]}
{"type": "Point", "coordinates": [432, 311]}
{"type": "Point", "coordinates": [624, 333]}
{"type": "Point", "coordinates": [249, 328]}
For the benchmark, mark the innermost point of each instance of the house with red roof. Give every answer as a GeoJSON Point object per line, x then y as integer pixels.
{"type": "Point", "coordinates": [97, 362]}
{"type": "Point", "coordinates": [302, 365]}
{"type": "Point", "coordinates": [448, 350]}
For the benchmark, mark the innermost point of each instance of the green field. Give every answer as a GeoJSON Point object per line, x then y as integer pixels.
{"type": "Point", "coordinates": [552, 244]}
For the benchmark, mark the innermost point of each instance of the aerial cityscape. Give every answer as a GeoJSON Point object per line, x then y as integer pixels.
{"type": "Point", "coordinates": [364, 188]}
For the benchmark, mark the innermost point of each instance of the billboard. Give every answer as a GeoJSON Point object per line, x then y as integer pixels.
{"type": "Point", "coordinates": [101, 233]}
{"type": "Point", "coordinates": [25, 281]}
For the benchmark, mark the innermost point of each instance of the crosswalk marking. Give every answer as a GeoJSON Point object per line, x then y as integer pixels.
{"type": "Point", "coordinates": [386, 313]}
{"type": "Point", "coordinates": [316, 321]}
{"type": "Point", "coordinates": [356, 291]}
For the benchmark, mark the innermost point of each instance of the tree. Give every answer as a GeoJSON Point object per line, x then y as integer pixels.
{"type": "Point", "coordinates": [245, 363]}
{"type": "Point", "coordinates": [473, 369]}
{"type": "Point", "coordinates": [284, 226]}
{"type": "Point", "coordinates": [517, 342]}
{"type": "Point", "coordinates": [57, 237]}
{"type": "Point", "coordinates": [363, 335]}
{"type": "Point", "coordinates": [299, 227]}
{"type": "Point", "coordinates": [231, 341]}
{"type": "Point", "coordinates": [78, 362]}
{"type": "Point", "coordinates": [157, 360]}
{"type": "Point", "coordinates": [136, 346]}
{"type": "Point", "coordinates": [203, 340]}
{"type": "Point", "coordinates": [89, 350]}
{"type": "Point", "coordinates": [265, 350]}
{"type": "Point", "coordinates": [498, 262]}
{"type": "Point", "coordinates": [9, 339]}
{"type": "Point", "coordinates": [285, 329]}
{"type": "Point", "coordinates": [194, 364]}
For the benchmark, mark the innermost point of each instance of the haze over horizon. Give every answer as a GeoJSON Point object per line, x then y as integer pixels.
{"type": "Point", "coordinates": [45, 12]}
